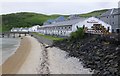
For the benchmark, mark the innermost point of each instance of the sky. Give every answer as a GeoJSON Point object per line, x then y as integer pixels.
{"type": "Point", "coordinates": [55, 6]}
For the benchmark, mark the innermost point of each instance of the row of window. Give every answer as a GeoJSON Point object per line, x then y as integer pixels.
{"type": "Point", "coordinates": [56, 28]}
{"type": "Point", "coordinates": [64, 33]}
{"type": "Point", "coordinates": [109, 17]}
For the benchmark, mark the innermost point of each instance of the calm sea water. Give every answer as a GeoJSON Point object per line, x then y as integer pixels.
{"type": "Point", "coordinates": [7, 47]}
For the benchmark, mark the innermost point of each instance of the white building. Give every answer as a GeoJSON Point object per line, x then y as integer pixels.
{"type": "Point", "coordinates": [15, 29]}
{"type": "Point", "coordinates": [91, 22]}
{"type": "Point", "coordinates": [20, 29]}
{"type": "Point", "coordinates": [31, 29]}
{"type": "Point", "coordinates": [64, 28]}
{"type": "Point", "coordinates": [34, 28]}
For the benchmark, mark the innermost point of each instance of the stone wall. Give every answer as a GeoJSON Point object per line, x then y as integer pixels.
{"type": "Point", "coordinates": [42, 39]}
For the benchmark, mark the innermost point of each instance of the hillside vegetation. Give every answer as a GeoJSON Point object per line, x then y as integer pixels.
{"type": "Point", "coordinates": [27, 19]}
{"type": "Point", "coordinates": [94, 13]}
{"type": "Point", "coordinates": [24, 19]}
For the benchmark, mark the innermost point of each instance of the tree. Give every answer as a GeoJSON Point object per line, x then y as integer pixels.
{"type": "Point", "coordinates": [79, 34]}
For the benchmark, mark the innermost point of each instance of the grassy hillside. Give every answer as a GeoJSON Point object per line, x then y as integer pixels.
{"type": "Point", "coordinates": [94, 13]}
{"type": "Point", "coordinates": [27, 19]}
{"type": "Point", "coordinates": [24, 19]}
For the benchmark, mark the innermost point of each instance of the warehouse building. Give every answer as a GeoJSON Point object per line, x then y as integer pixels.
{"type": "Point", "coordinates": [72, 23]}
{"type": "Point", "coordinates": [112, 17]}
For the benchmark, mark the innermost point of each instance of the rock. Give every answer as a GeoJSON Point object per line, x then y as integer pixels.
{"type": "Point", "coordinates": [95, 53]}
{"type": "Point", "coordinates": [117, 48]}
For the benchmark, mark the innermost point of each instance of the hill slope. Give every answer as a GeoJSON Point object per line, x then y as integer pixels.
{"type": "Point", "coordinates": [94, 13]}
{"type": "Point", "coordinates": [27, 19]}
{"type": "Point", "coordinates": [23, 19]}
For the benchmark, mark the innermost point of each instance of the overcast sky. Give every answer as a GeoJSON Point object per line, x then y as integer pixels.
{"type": "Point", "coordinates": [55, 6]}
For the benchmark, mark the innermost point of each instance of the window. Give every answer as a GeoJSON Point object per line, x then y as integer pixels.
{"type": "Point", "coordinates": [112, 16]}
{"type": "Point", "coordinates": [61, 32]}
{"type": "Point", "coordinates": [69, 27]}
{"type": "Point", "coordinates": [113, 30]}
{"type": "Point", "coordinates": [108, 28]}
{"type": "Point", "coordinates": [77, 27]}
{"type": "Point", "coordinates": [65, 27]}
{"type": "Point", "coordinates": [118, 30]}
{"type": "Point", "coordinates": [113, 22]}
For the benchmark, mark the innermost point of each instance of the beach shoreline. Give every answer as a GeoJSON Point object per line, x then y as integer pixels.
{"type": "Point", "coordinates": [33, 57]}
{"type": "Point", "coordinates": [15, 61]}
{"type": "Point", "coordinates": [6, 53]}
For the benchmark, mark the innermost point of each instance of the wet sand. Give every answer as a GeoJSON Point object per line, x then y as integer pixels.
{"type": "Point", "coordinates": [13, 63]}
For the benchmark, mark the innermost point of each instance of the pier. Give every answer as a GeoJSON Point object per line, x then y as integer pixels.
{"type": "Point", "coordinates": [13, 34]}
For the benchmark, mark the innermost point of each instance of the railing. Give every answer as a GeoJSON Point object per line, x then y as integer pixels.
{"type": "Point", "coordinates": [13, 34]}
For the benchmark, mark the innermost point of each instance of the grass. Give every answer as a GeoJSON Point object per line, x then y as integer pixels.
{"type": "Point", "coordinates": [0, 28]}
{"type": "Point", "coordinates": [94, 13]}
{"type": "Point", "coordinates": [50, 37]}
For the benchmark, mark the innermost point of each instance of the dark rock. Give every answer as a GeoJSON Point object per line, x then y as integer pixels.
{"type": "Point", "coordinates": [100, 53]}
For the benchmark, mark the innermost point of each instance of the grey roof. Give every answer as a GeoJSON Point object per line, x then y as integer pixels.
{"type": "Point", "coordinates": [111, 12]}
{"type": "Point", "coordinates": [67, 22]}
{"type": "Point", "coordinates": [25, 28]}
{"type": "Point", "coordinates": [73, 17]}
{"type": "Point", "coordinates": [19, 29]}
{"type": "Point", "coordinates": [60, 18]}
{"type": "Point", "coordinates": [15, 29]}
{"type": "Point", "coordinates": [48, 21]}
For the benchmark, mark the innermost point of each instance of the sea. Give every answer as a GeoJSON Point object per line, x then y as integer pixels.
{"type": "Point", "coordinates": [8, 46]}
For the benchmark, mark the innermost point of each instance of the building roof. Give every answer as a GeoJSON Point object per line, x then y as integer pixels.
{"type": "Point", "coordinates": [15, 29]}
{"type": "Point", "coordinates": [111, 12]}
{"type": "Point", "coordinates": [66, 22]}
{"type": "Point", "coordinates": [71, 17]}
{"type": "Point", "coordinates": [48, 21]}
{"type": "Point", "coordinates": [60, 18]}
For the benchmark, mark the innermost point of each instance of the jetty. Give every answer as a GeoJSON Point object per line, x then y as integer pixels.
{"type": "Point", "coordinates": [13, 34]}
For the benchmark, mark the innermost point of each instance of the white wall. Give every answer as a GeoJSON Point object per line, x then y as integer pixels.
{"type": "Point", "coordinates": [58, 30]}
{"type": "Point", "coordinates": [89, 25]}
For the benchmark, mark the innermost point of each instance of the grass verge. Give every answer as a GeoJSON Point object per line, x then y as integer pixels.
{"type": "Point", "coordinates": [49, 37]}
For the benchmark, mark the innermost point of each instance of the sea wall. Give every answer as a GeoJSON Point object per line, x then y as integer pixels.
{"type": "Point", "coordinates": [98, 52]}
{"type": "Point", "coordinates": [42, 39]}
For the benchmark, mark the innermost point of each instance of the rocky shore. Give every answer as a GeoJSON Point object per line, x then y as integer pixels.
{"type": "Point", "coordinates": [98, 52]}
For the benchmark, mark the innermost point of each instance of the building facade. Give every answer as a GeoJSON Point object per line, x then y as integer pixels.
{"type": "Point", "coordinates": [64, 28]}
{"type": "Point", "coordinates": [112, 17]}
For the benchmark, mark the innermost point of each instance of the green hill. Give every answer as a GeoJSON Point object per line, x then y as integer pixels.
{"type": "Point", "coordinates": [27, 19]}
{"type": "Point", "coordinates": [94, 13]}
{"type": "Point", "coordinates": [24, 19]}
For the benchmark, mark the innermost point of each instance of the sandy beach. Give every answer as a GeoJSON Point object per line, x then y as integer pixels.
{"type": "Point", "coordinates": [17, 61]}
{"type": "Point", "coordinates": [33, 57]}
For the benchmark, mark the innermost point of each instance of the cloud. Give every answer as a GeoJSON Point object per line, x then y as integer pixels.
{"type": "Point", "coordinates": [59, 0]}
{"type": "Point", "coordinates": [55, 7]}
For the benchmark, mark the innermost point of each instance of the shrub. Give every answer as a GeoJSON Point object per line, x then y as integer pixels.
{"type": "Point", "coordinates": [79, 34]}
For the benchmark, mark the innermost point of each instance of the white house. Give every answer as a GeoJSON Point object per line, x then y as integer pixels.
{"type": "Point", "coordinates": [15, 29]}
{"type": "Point", "coordinates": [20, 29]}
{"type": "Point", "coordinates": [64, 28]}
{"type": "Point", "coordinates": [34, 28]}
